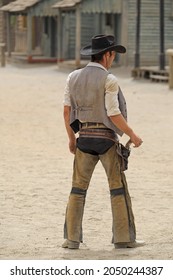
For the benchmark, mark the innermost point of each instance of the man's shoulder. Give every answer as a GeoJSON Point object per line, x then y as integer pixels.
{"type": "Point", "coordinates": [112, 77]}
{"type": "Point", "coordinates": [73, 74]}
{"type": "Point", "coordinates": [76, 71]}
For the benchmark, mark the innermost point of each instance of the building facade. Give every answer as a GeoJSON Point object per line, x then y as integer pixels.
{"type": "Point", "coordinates": [58, 29]}
{"type": "Point", "coordinates": [149, 30]}
{"type": "Point", "coordinates": [3, 22]}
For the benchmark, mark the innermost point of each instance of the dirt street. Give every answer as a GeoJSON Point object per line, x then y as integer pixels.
{"type": "Point", "coordinates": [36, 168]}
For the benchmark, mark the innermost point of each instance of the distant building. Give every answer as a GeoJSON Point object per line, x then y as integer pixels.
{"type": "Point", "coordinates": [52, 29]}
{"type": "Point", "coordinates": [3, 21]}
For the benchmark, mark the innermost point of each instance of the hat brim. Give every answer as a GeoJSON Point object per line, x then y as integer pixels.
{"type": "Point", "coordinates": [87, 50]}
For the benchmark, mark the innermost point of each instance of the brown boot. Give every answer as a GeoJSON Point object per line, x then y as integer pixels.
{"type": "Point", "coordinates": [70, 244]}
{"type": "Point", "coordinates": [135, 244]}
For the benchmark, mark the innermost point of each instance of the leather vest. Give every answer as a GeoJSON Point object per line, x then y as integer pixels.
{"type": "Point", "coordinates": [87, 95]}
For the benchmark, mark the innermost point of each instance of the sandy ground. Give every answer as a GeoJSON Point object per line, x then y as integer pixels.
{"type": "Point", "coordinates": [36, 168]}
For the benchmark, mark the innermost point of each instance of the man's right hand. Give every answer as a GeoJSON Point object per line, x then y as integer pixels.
{"type": "Point", "coordinates": [120, 122]}
{"type": "Point", "coordinates": [136, 140]}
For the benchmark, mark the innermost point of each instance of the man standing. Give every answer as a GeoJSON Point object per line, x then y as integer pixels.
{"type": "Point", "coordinates": [94, 106]}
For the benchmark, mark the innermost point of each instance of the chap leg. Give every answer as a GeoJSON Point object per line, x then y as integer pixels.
{"type": "Point", "coordinates": [74, 215]}
{"type": "Point", "coordinates": [84, 165]}
{"type": "Point", "coordinates": [123, 220]}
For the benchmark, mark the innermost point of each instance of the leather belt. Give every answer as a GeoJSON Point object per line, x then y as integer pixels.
{"type": "Point", "coordinates": [92, 125]}
{"type": "Point", "coordinates": [98, 133]}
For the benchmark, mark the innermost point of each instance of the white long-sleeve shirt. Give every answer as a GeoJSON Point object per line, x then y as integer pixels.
{"type": "Point", "coordinates": [111, 92]}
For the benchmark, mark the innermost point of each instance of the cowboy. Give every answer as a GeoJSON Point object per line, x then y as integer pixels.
{"type": "Point", "coordinates": [94, 107]}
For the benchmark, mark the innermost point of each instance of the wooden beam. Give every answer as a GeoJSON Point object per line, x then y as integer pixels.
{"type": "Point", "coordinates": [29, 36]}
{"type": "Point", "coordinates": [78, 36]}
{"type": "Point", "coordinates": [59, 28]}
{"type": "Point", "coordinates": [2, 54]}
{"type": "Point", "coordinates": [162, 39]}
{"type": "Point", "coordinates": [124, 31]}
{"type": "Point", "coordinates": [138, 25]}
{"type": "Point", "coordinates": [170, 55]}
{"type": "Point", "coordinates": [8, 34]}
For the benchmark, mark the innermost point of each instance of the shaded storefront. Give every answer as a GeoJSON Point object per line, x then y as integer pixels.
{"type": "Point", "coordinates": [35, 29]}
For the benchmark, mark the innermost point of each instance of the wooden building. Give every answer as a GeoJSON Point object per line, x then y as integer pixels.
{"type": "Point", "coordinates": [2, 21]}
{"type": "Point", "coordinates": [79, 20]}
{"type": "Point", "coordinates": [35, 29]}
{"type": "Point", "coordinates": [53, 32]}
{"type": "Point", "coordinates": [58, 29]}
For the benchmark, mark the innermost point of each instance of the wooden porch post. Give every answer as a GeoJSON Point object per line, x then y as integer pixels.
{"type": "Point", "coordinates": [124, 31]}
{"type": "Point", "coordinates": [50, 36]}
{"type": "Point", "coordinates": [2, 54]}
{"type": "Point", "coordinates": [170, 56]}
{"type": "Point", "coordinates": [78, 36]}
{"type": "Point", "coordinates": [29, 37]}
{"type": "Point", "coordinates": [8, 34]}
{"type": "Point", "coordinates": [138, 23]}
{"type": "Point", "coordinates": [59, 37]}
{"type": "Point", "coordinates": [162, 43]}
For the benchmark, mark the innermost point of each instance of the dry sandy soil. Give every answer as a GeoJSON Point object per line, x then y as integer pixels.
{"type": "Point", "coordinates": [36, 168]}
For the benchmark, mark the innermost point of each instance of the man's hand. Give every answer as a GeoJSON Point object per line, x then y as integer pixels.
{"type": "Point", "coordinates": [120, 122]}
{"type": "Point", "coordinates": [136, 140]}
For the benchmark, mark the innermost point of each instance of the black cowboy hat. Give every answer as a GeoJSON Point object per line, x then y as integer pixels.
{"type": "Point", "coordinates": [101, 44]}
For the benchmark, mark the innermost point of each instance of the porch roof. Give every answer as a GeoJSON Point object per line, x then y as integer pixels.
{"type": "Point", "coordinates": [92, 6]}
{"type": "Point", "coordinates": [34, 7]}
{"type": "Point", "coordinates": [19, 5]}
{"type": "Point", "coordinates": [66, 3]}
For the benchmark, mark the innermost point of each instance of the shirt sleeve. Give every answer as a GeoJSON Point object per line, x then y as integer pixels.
{"type": "Point", "coordinates": [66, 101]}
{"type": "Point", "coordinates": [111, 96]}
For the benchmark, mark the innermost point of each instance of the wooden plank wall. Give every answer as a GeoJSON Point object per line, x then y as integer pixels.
{"type": "Point", "coordinates": [1, 25]}
{"type": "Point", "coordinates": [150, 31]}
{"type": "Point", "coordinates": [87, 31]}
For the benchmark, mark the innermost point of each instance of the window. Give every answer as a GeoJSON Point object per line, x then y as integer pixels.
{"type": "Point", "coordinates": [108, 20]}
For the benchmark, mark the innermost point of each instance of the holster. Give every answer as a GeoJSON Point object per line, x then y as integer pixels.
{"type": "Point", "coordinates": [124, 153]}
